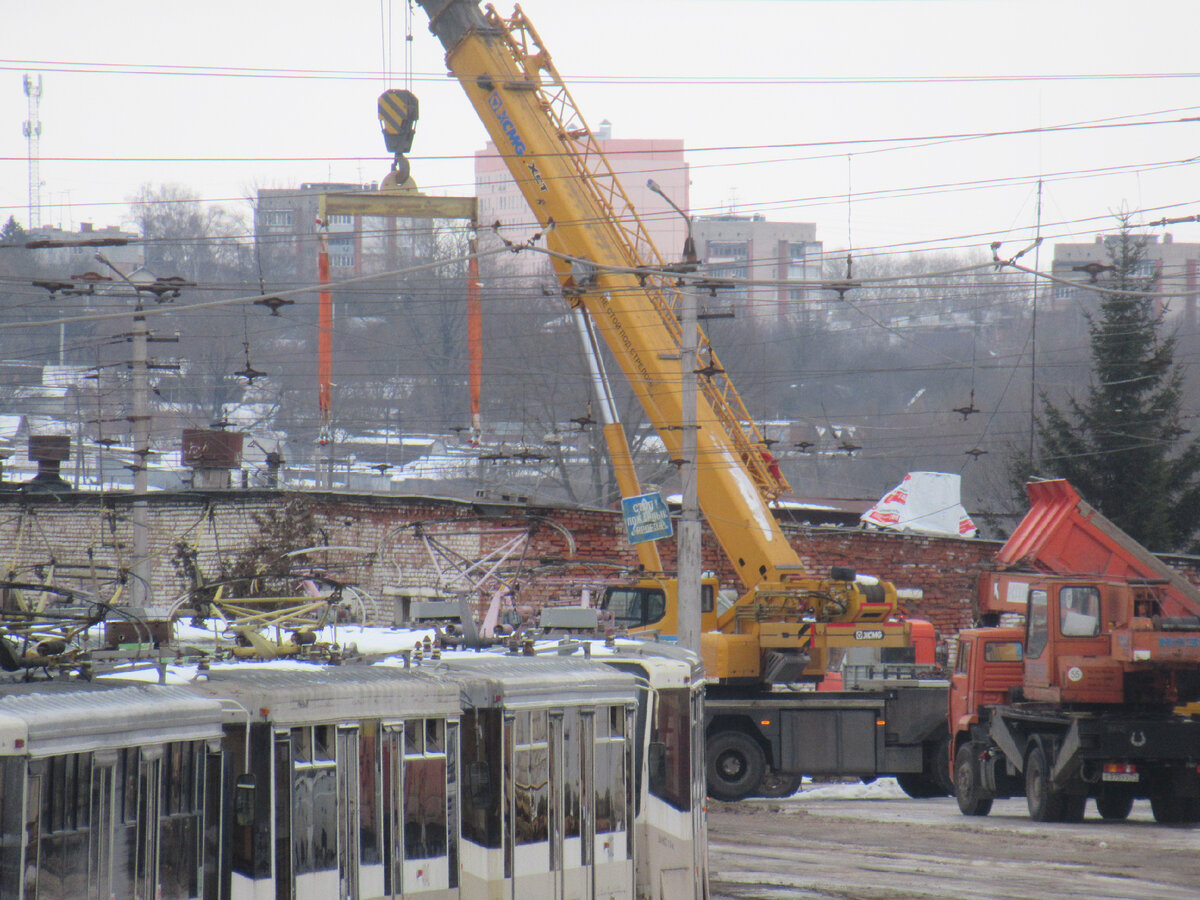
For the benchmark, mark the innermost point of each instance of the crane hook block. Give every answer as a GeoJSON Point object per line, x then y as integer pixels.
{"type": "Point", "coordinates": [398, 114]}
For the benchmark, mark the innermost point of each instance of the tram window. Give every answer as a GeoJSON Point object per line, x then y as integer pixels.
{"type": "Point", "coordinates": [12, 775]}
{"type": "Point", "coordinates": [414, 736]}
{"type": "Point", "coordinates": [324, 748]}
{"type": "Point", "coordinates": [368, 796]}
{"type": "Point", "coordinates": [670, 780]}
{"type": "Point", "coordinates": [531, 777]}
{"type": "Point", "coordinates": [181, 822]}
{"type": "Point", "coordinates": [424, 807]}
{"type": "Point", "coordinates": [435, 736]}
{"type": "Point", "coordinates": [452, 801]}
{"type": "Point", "coordinates": [572, 774]}
{"type": "Point", "coordinates": [531, 727]}
{"type": "Point", "coordinates": [616, 721]}
{"type": "Point", "coordinates": [610, 775]}
{"type": "Point", "coordinates": [12, 778]}
{"type": "Point", "coordinates": [302, 745]}
{"type": "Point", "coordinates": [314, 818]}
{"type": "Point", "coordinates": [63, 851]}
{"type": "Point", "coordinates": [479, 740]}
{"type": "Point", "coordinates": [425, 790]}
{"type": "Point", "coordinates": [706, 598]}
{"type": "Point", "coordinates": [251, 837]}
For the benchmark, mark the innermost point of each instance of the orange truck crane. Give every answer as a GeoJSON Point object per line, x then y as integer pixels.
{"type": "Point", "coordinates": [1086, 699]}
{"type": "Point", "coordinates": [783, 627]}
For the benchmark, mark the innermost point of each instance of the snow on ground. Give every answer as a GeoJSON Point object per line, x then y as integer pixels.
{"type": "Point", "coordinates": [879, 789]}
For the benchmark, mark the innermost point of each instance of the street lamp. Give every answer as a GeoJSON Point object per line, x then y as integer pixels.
{"type": "Point", "coordinates": [688, 552]}
{"type": "Point", "coordinates": [689, 245]}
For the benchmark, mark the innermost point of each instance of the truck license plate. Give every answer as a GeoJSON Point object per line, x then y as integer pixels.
{"type": "Point", "coordinates": [1120, 776]}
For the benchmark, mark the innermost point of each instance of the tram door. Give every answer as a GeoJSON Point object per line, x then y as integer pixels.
{"type": "Point", "coordinates": [528, 859]}
{"type": "Point", "coordinates": [571, 830]}
{"type": "Point", "coordinates": [149, 813]}
{"type": "Point", "coordinates": [699, 796]}
{"type": "Point", "coordinates": [612, 763]}
{"type": "Point", "coordinates": [391, 754]}
{"type": "Point", "coordinates": [100, 852]}
{"type": "Point", "coordinates": [420, 810]}
{"type": "Point", "coordinates": [348, 811]}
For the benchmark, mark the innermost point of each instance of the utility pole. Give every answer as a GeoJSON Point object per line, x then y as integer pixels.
{"type": "Point", "coordinates": [689, 560]}
{"type": "Point", "coordinates": [141, 593]}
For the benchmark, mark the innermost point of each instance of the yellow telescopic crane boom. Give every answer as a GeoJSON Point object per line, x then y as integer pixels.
{"type": "Point", "coordinates": [607, 264]}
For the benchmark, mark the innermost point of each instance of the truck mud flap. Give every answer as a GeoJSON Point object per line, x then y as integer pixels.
{"type": "Point", "coordinates": [1008, 743]}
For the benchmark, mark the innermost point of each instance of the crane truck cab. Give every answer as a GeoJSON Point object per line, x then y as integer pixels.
{"type": "Point", "coordinates": [1079, 704]}
{"type": "Point", "coordinates": [651, 606]}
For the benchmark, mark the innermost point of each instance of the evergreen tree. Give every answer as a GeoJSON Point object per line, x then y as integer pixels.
{"type": "Point", "coordinates": [1120, 446]}
{"type": "Point", "coordinates": [12, 232]}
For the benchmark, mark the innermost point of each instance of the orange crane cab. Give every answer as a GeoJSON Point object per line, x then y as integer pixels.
{"type": "Point", "coordinates": [1082, 701]}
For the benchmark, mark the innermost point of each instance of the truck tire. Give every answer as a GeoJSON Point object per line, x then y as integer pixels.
{"type": "Point", "coordinates": [968, 786]}
{"type": "Point", "coordinates": [1114, 806]}
{"type": "Point", "coordinates": [735, 765]}
{"type": "Point", "coordinates": [1073, 807]}
{"type": "Point", "coordinates": [1045, 803]}
{"type": "Point", "coordinates": [1175, 810]}
{"type": "Point", "coordinates": [779, 784]}
{"type": "Point", "coordinates": [940, 762]}
{"type": "Point", "coordinates": [918, 785]}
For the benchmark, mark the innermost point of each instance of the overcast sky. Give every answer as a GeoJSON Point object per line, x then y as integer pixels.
{"type": "Point", "coordinates": [785, 106]}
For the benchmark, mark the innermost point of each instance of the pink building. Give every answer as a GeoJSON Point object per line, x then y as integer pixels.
{"type": "Point", "coordinates": [633, 160]}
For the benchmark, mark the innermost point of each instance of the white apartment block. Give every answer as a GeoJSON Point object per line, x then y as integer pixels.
{"type": "Point", "coordinates": [752, 249]}
{"type": "Point", "coordinates": [1172, 265]}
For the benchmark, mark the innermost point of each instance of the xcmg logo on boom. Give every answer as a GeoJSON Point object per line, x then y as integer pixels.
{"type": "Point", "coordinates": [506, 123]}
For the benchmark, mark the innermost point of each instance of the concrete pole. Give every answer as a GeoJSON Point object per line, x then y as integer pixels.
{"type": "Point", "coordinates": [141, 593]}
{"type": "Point", "coordinates": [689, 561]}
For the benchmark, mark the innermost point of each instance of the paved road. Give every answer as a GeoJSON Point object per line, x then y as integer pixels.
{"type": "Point", "coordinates": [880, 845]}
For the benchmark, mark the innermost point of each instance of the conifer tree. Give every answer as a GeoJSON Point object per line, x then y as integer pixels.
{"type": "Point", "coordinates": [1121, 446]}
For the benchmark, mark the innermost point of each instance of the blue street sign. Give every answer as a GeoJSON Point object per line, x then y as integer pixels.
{"type": "Point", "coordinates": [647, 518]}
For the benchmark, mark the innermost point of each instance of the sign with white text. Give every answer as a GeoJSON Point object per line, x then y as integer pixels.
{"type": "Point", "coordinates": [647, 518]}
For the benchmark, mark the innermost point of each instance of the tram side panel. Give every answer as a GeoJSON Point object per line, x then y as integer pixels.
{"type": "Point", "coordinates": [671, 829]}
{"type": "Point", "coordinates": [102, 792]}
{"type": "Point", "coordinates": [546, 779]}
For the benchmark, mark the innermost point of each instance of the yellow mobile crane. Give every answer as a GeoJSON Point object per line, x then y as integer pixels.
{"type": "Point", "coordinates": [781, 628]}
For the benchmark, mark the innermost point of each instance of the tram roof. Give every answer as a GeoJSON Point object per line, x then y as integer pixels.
{"type": "Point", "coordinates": [312, 693]}
{"type": "Point", "coordinates": [516, 681]}
{"type": "Point", "coordinates": [49, 718]}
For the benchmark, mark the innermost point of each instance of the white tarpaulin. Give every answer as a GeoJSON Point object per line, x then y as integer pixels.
{"type": "Point", "coordinates": [923, 501]}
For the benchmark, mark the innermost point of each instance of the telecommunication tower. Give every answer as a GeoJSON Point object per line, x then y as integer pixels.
{"type": "Point", "coordinates": [33, 131]}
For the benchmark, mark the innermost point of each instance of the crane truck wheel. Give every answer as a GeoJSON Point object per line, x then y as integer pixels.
{"type": "Point", "coordinates": [972, 799]}
{"type": "Point", "coordinates": [1114, 805]}
{"type": "Point", "coordinates": [780, 784]}
{"type": "Point", "coordinates": [1045, 803]}
{"type": "Point", "coordinates": [1073, 807]}
{"type": "Point", "coordinates": [1175, 810]}
{"type": "Point", "coordinates": [735, 764]}
{"type": "Point", "coordinates": [918, 785]}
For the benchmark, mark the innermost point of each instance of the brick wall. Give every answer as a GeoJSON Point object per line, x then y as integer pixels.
{"type": "Point", "coordinates": [87, 540]}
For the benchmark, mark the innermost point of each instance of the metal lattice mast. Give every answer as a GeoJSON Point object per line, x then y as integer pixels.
{"type": "Point", "coordinates": [33, 131]}
{"type": "Point", "coordinates": [595, 174]}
